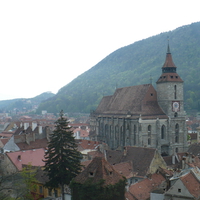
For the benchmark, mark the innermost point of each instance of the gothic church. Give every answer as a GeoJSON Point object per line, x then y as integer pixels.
{"type": "Point", "coordinates": [141, 116]}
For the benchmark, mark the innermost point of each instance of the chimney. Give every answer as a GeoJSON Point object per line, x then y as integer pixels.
{"type": "Point", "coordinates": [125, 151]}
{"type": "Point", "coordinates": [173, 159]}
{"type": "Point", "coordinates": [34, 125]}
{"type": "Point", "coordinates": [40, 129]}
{"type": "Point", "coordinates": [26, 125]}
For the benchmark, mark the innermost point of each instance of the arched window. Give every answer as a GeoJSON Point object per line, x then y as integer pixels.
{"type": "Point", "coordinates": [110, 131]}
{"type": "Point", "coordinates": [175, 92]}
{"type": "Point", "coordinates": [163, 132]}
{"type": "Point", "coordinates": [176, 133]}
{"type": "Point", "coordinates": [106, 130]}
{"type": "Point", "coordinates": [149, 135]}
{"type": "Point", "coordinates": [134, 134]}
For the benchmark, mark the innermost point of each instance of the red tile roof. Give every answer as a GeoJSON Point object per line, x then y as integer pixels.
{"type": "Point", "coordinates": [39, 143]}
{"type": "Point", "coordinates": [87, 144]}
{"type": "Point", "coordinates": [125, 169]}
{"type": "Point", "coordinates": [134, 154]}
{"type": "Point", "coordinates": [97, 170]}
{"type": "Point", "coordinates": [192, 184]}
{"type": "Point", "coordinates": [33, 157]}
{"type": "Point", "coordinates": [142, 189]}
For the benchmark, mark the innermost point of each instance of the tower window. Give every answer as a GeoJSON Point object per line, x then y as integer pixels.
{"type": "Point", "coordinates": [163, 131]}
{"type": "Point", "coordinates": [149, 135]}
{"type": "Point", "coordinates": [176, 133]}
{"type": "Point", "coordinates": [171, 76]}
{"type": "Point", "coordinates": [175, 92]}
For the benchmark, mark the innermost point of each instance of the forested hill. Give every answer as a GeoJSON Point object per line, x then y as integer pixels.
{"type": "Point", "coordinates": [134, 65]}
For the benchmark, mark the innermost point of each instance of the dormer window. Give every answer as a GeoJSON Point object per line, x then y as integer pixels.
{"type": "Point", "coordinates": [91, 174]}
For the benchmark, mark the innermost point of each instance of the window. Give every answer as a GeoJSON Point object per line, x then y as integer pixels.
{"type": "Point", "coordinates": [149, 135]}
{"type": "Point", "coordinates": [179, 190]}
{"type": "Point", "coordinates": [56, 193]}
{"type": "Point", "coordinates": [163, 132]}
{"type": "Point", "coordinates": [176, 133]}
{"type": "Point", "coordinates": [49, 192]}
{"type": "Point", "coordinates": [134, 135]}
{"type": "Point", "coordinates": [91, 174]}
{"type": "Point", "coordinates": [175, 91]}
{"type": "Point", "coordinates": [41, 189]}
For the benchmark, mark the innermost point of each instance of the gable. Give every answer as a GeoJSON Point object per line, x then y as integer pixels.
{"type": "Point", "coordinates": [178, 189]}
{"type": "Point", "coordinates": [156, 163]}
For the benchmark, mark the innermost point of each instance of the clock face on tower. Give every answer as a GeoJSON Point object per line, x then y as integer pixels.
{"type": "Point", "coordinates": [175, 106]}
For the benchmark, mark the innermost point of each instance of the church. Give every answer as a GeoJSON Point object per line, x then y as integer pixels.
{"type": "Point", "coordinates": [144, 117]}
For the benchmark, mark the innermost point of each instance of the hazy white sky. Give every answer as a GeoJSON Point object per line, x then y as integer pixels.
{"type": "Point", "coordinates": [45, 44]}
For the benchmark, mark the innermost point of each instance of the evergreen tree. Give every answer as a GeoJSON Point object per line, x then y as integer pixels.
{"type": "Point", "coordinates": [62, 159]}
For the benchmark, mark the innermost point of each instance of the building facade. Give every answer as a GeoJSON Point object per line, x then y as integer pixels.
{"type": "Point", "coordinates": [141, 116]}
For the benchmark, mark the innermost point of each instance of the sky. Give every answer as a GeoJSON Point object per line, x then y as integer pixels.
{"type": "Point", "coordinates": [45, 44]}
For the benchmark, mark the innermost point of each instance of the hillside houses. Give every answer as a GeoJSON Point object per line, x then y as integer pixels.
{"type": "Point", "coordinates": [144, 168]}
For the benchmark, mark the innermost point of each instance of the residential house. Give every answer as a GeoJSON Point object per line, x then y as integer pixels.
{"type": "Point", "coordinates": [185, 185]}
{"type": "Point", "coordinates": [144, 161]}
{"type": "Point", "coordinates": [13, 161]}
{"type": "Point", "coordinates": [142, 190]}
{"type": "Point", "coordinates": [105, 182]}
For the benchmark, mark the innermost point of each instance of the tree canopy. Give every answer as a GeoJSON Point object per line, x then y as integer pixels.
{"type": "Point", "coordinates": [62, 159]}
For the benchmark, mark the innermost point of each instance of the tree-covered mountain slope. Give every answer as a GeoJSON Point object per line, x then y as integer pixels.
{"type": "Point", "coordinates": [24, 104]}
{"type": "Point", "coordinates": [134, 65]}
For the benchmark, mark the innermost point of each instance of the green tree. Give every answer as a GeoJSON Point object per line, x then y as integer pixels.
{"type": "Point", "coordinates": [62, 159]}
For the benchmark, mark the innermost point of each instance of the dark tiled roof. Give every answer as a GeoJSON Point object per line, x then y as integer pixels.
{"type": "Point", "coordinates": [169, 61]}
{"type": "Point", "coordinates": [172, 77]}
{"type": "Point", "coordinates": [133, 100]}
{"type": "Point", "coordinates": [37, 144]}
{"type": "Point", "coordinates": [86, 144]}
{"type": "Point", "coordinates": [141, 158]}
{"type": "Point", "coordinates": [194, 149]}
{"type": "Point", "coordinates": [97, 170]}
{"type": "Point", "coordinates": [125, 169]}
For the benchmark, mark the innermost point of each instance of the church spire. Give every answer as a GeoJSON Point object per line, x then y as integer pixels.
{"type": "Point", "coordinates": [168, 49]}
{"type": "Point", "coordinates": [169, 66]}
{"type": "Point", "coordinates": [169, 69]}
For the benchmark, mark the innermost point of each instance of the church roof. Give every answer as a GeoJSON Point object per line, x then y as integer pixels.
{"type": "Point", "coordinates": [134, 100]}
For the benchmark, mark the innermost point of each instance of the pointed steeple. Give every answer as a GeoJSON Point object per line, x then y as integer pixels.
{"type": "Point", "coordinates": [169, 69]}
{"type": "Point", "coordinates": [168, 49]}
{"type": "Point", "coordinates": [169, 66]}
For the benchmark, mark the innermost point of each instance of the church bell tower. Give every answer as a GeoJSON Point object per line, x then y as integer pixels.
{"type": "Point", "coordinates": [170, 89]}
{"type": "Point", "coordinates": [170, 99]}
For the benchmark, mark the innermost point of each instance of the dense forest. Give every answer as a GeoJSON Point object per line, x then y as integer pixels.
{"type": "Point", "coordinates": [23, 104]}
{"type": "Point", "coordinates": [135, 64]}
